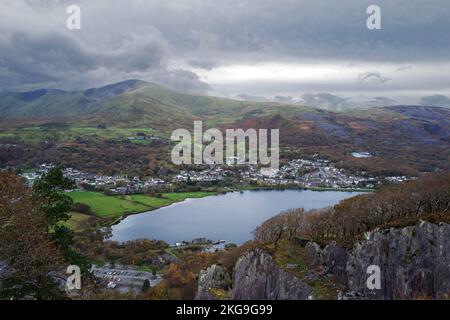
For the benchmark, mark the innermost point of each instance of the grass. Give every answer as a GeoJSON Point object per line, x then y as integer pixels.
{"type": "Point", "coordinates": [219, 294]}
{"type": "Point", "coordinates": [325, 290]}
{"type": "Point", "coordinates": [116, 206]}
{"type": "Point", "coordinates": [180, 196]}
{"type": "Point", "coordinates": [38, 134]}
{"type": "Point", "coordinates": [287, 253]}
{"type": "Point", "coordinates": [106, 206]}
{"type": "Point", "coordinates": [151, 202]}
{"type": "Point", "coordinates": [76, 221]}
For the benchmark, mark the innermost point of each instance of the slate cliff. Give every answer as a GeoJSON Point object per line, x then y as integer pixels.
{"type": "Point", "coordinates": [414, 262]}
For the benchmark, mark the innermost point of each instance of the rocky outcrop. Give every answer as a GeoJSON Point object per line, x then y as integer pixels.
{"type": "Point", "coordinates": [414, 262]}
{"type": "Point", "coordinates": [313, 256]}
{"type": "Point", "coordinates": [212, 281]}
{"type": "Point", "coordinates": [335, 262]}
{"type": "Point", "coordinates": [5, 272]}
{"type": "Point", "coordinates": [257, 277]}
{"type": "Point", "coordinates": [331, 261]}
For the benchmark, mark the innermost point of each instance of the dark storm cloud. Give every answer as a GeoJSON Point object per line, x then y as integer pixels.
{"type": "Point", "coordinates": [36, 54]}
{"type": "Point", "coordinates": [161, 40]}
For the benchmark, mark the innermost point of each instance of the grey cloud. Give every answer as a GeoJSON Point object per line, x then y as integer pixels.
{"type": "Point", "coordinates": [404, 68]}
{"type": "Point", "coordinates": [372, 76]}
{"type": "Point", "coordinates": [325, 101]}
{"type": "Point", "coordinates": [435, 100]}
{"type": "Point", "coordinates": [34, 57]}
{"type": "Point", "coordinates": [181, 80]}
{"type": "Point", "coordinates": [284, 99]}
{"type": "Point", "coordinates": [379, 102]}
{"type": "Point", "coordinates": [203, 64]}
{"type": "Point", "coordinates": [333, 102]}
{"type": "Point", "coordinates": [140, 38]}
{"type": "Point", "coordinates": [248, 97]}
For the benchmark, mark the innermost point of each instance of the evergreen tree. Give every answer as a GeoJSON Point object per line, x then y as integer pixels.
{"type": "Point", "coordinates": [50, 189]}
{"type": "Point", "coordinates": [146, 285]}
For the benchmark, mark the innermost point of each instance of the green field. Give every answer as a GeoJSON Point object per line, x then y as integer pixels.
{"type": "Point", "coordinates": [76, 221]}
{"type": "Point", "coordinates": [106, 206]}
{"type": "Point", "coordinates": [180, 196]}
{"type": "Point", "coordinates": [149, 201]}
{"type": "Point", "coordinates": [115, 206]}
{"type": "Point", "coordinates": [38, 134]}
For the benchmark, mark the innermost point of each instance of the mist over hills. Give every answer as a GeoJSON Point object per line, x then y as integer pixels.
{"type": "Point", "coordinates": [398, 136]}
{"type": "Point", "coordinates": [136, 97]}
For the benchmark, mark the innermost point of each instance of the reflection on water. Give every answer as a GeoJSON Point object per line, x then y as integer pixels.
{"type": "Point", "coordinates": [231, 217]}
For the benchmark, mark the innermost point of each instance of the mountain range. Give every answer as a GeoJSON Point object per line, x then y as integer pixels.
{"type": "Point", "coordinates": [397, 136]}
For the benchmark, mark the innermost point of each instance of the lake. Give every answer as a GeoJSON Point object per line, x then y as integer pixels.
{"type": "Point", "coordinates": [231, 217]}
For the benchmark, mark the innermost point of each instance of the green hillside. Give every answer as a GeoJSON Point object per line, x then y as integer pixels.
{"type": "Point", "coordinates": [100, 125]}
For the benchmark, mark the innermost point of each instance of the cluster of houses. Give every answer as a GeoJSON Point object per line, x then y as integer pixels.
{"type": "Point", "coordinates": [297, 172]}
{"type": "Point", "coordinates": [323, 173]}
{"type": "Point", "coordinates": [208, 175]}
{"type": "Point", "coordinates": [120, 184]}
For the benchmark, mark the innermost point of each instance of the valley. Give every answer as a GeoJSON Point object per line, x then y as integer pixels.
{"type": "Point", "coordinates": [125, 128]}
{"type": "Point", "coordinates": [114, 144]}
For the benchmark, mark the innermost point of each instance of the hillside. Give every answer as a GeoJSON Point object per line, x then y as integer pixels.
{"type": "Point", "coordinates": [133, 103]}
{"type": "Point", "coordinates": [402, 139]}
{"type": "Point", "coordinates": [404, 230]}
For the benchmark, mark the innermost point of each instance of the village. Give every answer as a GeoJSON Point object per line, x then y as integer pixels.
{"type": "Point", "coordinates": [299, 173]}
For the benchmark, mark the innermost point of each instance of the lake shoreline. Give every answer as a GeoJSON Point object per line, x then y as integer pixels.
{"type": "Point", "coordinates": [316, 189]}
{"type": "Point", "coordinates": [233, 210]}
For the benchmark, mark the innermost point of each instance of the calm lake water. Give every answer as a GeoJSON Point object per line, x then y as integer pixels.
{"type": "Point", "coordinates": [231, 217]}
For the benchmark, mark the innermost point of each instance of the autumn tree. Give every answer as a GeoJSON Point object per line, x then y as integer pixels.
{"type": "Point", "coordinates": [25, 243]}
{"type": "Point", "coordinates": [425, 198]}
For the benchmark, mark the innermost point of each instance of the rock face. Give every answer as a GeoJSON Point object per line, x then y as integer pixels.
{"type": "Point", "coordinates": [414, 262]}
{"type": "Point", "coordinates": [335, 262]}
{"type": "Point", "coordinates": [257, 277]}
{"type": "Point", "coordinates": [313, 255]}
{"type": "Point", "coordinates": [332, 260]}
{"type": "Point", "coordinates": [215, 277]}
{"type": "Point", "coordinates": [5, 271]}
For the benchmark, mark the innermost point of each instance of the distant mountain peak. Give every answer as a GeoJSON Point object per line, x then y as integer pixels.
{"type": "Point", "coordinates": [114, 89]}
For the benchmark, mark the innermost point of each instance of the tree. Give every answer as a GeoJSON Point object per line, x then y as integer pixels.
{"type": "Point", "coordinates": [25, 243]}
{"type": "Point", "coordinates": [427, 198]}
{"type": "Point", "coordinates": [82, 208]}
{"type": "Point", "coordinates": [146, 285]}
{"type": "Point", "coordinates": [50, 190]}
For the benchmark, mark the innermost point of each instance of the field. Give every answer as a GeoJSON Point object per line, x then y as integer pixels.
{"type": "Point", "coordinates": [180, 196]}
{"type": "Point", "coordinates": [116, 206]}
{"type": "Point", "coordinates": [37, 134]}
{"type": "Point", "coordinates": [76, 221]}
{"type": "Point", "coordinates": [106, 206]}
{"type": "Point", "coordinates": [97, 130]}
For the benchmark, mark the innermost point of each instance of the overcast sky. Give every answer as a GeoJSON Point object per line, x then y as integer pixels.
{"type": "Point", "coordinates": [289, 50]}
